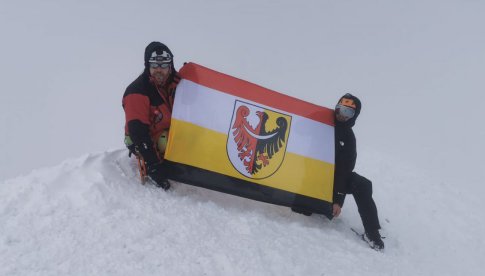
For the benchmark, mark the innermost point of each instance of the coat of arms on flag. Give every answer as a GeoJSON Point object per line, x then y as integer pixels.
{"type": "Point", "coordinates": [257, 140]}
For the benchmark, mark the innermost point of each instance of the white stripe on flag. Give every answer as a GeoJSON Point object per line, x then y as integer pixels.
{"type": "Point", "coordinates": [213, 110]}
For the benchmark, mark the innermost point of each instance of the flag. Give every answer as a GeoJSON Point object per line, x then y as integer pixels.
{"type": "Point", "coordinates": [237, 137]}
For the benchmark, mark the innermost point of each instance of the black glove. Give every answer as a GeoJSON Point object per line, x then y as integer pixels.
{"type": "Point", "coordinates": [157, 173]}
{"type": "Point", "coordinates": [148, 153]}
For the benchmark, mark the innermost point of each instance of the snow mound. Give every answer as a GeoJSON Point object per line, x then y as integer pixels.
{"type": "Point", "coordinates": [91, 216]}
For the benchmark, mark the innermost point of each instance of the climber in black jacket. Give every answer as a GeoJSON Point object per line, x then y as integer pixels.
{"type": "Point", "coordinates": [347, 181]}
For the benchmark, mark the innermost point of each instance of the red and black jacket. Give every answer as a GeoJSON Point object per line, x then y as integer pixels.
{"type": "Point", "coordinates": [148, 110]}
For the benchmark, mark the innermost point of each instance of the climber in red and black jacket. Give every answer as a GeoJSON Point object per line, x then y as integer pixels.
{"type": "Point", "coordinates": [148, 103]}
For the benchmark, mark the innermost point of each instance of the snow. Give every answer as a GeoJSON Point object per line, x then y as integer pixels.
{"type": "Point", "coordinates": [91, 216]}
{"type": "Point", "coordinates": [416, 65]}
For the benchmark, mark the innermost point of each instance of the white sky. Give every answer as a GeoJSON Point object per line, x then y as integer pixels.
{"type": "Point", "coordinates": [417, 66]}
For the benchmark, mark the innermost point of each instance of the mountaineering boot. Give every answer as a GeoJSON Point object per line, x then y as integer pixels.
{"type": "Point", "coordinates": [373, 238]}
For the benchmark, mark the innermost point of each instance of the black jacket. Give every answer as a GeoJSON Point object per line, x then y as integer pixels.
{"type": "Point", "coordinates": [345, 154]}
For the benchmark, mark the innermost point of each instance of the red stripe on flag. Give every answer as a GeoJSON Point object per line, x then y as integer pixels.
{"type": "Point", "coordinates": [246, 90]}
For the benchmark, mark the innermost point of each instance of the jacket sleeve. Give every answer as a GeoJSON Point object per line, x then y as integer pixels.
{"type": "Point", "coordinates": [137, 107]}
{"type": "Point", "coordinates": [137, 116]}
{"type": "Point", "coordinates": [345, 158]}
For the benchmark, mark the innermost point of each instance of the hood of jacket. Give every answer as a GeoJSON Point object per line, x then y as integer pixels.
{"type": "Point", "coordinates": [358, 106]}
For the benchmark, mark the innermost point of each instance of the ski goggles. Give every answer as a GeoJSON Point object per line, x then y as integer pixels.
{"type": "Point", "coordinates": [344, 113]}
{"type": "Point", "coordinates": [161, 65]}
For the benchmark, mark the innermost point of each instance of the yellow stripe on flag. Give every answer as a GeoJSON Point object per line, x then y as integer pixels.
{"type": "Point", "coordinates": [206, 149]}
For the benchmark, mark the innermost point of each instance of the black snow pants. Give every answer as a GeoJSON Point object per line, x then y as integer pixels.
{"type": "Point", "coordinates": [361, 188]}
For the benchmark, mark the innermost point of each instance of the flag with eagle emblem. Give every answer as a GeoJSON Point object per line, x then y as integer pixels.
{"type": "Point", "coordinates": [236, 137]}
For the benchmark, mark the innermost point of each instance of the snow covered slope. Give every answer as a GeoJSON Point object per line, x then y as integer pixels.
{"type": "Point", "coordinates": [91, 216]}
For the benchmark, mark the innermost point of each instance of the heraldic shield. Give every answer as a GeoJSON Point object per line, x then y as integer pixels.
{"type": "Point", "coordinates": [257, 140]}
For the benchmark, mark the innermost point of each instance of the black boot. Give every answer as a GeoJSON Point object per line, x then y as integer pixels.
{"type": "Point", "coordinates": [373, 238]}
